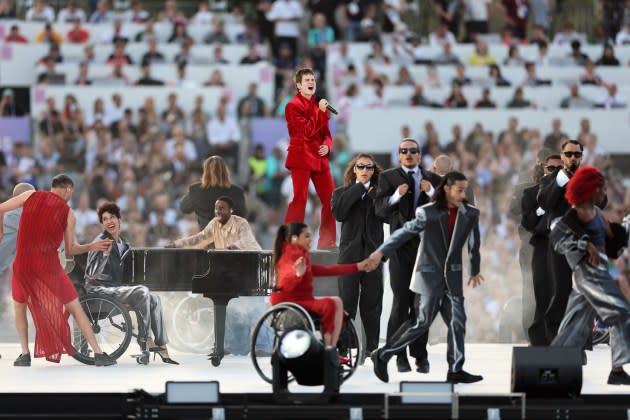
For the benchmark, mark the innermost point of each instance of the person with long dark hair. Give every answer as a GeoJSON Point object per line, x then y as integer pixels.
{"type": "Point", "coordinates": [586, 239]}
{"type": "Point", "coordinates": [361, 234]}
{"type": "Point", "coordinates": [444, 226]}
{"type": "Point", "coordinates": [215, 182]}
{"type": "Point", "coordinates": [294, 274]}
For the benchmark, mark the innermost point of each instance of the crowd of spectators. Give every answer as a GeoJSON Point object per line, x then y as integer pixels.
{"type": "Point", "coordinates": [144, 158]}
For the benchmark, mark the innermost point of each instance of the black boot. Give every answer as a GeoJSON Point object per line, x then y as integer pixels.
{"type": "Point", "coordinates": [23, 360]}
{"type": "Point", "coordinates": [618, 378]}
{"type": "Point", "coordinates": [402, 363]}
{"type": "Point", "coordinates": [380, 365]}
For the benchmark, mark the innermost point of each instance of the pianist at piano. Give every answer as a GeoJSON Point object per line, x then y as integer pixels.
{"type": "Point", "coordinates": [229, 231]}
{"type": "Point", "coordinates": [104, 275]}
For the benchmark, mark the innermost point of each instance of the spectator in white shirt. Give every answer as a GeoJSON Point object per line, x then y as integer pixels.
{"type": "Point", "coordinates": [567, 35]}
{"type": "Point", "coordinates": [70, 13]}
{"type": "Point", "coordinates": [115, 111]}
{"type": "Point", "coordinates": [85, 216]}
{"type": "Point", "coordinates": [203, 15]}
{"type": "Point", "coordinates": [224, 135]}
{"type": "Point", "coordinates": [102, 13]}
{"type": "Point", "coordinates": [136, 14]}
{"type": "Point", "coordinates": [441, 35]}
{"type": "Point", "coordinates": [623, 36]}
{"type": "Point", "coordinates": [115, 33]}
{"type": "Point", "coordinates": [179, 138]}
{"type": "Point", "coordinates": [476, 18]}
{"type": "Point", "coordinates": [40, 12]}
{"type": "Point", "coordinates": [592, 152]}
{"type": "Point", "coordinates": [611, 99]}
{"type": "Point", "coordinates": [286, 15]}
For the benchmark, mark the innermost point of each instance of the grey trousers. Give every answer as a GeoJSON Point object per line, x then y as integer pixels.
{"type": "Point", "coordinates": [596, 292]}
{"type": "Point", "coordinates": [146, 303]}
{"type": "Point", "coordinates": [427, 307]}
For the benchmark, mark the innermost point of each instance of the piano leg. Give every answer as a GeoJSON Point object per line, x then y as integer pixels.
{"type": "Point", "coordinates": [220, 305]}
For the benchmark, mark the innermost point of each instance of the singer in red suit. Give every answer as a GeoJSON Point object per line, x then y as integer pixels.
{"type": "Point", "coordinates": [310, 145]}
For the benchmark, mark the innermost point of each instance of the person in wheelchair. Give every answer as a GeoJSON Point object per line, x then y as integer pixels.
{"type": "Point", "coordinates": [104, 272]}
{"type": "Point", "coordinates": [294, 274]}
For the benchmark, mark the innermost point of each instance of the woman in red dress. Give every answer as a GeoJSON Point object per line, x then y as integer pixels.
{"type": "Point", "coordinates": [294, 278]}
{"type": "Point", "coordinates": [38, 279]}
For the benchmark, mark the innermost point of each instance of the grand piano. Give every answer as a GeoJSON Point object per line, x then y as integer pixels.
{"type": "Point", "coordinates": [219, 275]}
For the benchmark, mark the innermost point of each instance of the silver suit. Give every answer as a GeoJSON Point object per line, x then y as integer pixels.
{"type": "Point", "coordinates": [594, 292]}
{"type": "Point", "coordinates": [103, 274]}
{"type": "Point", "coordinates": [437, 282]}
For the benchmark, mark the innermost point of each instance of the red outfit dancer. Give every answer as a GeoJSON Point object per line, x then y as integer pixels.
{"type": "Point", "coordinates": [292, 288]}
{"type": "Point", "coordinates": [307, 156]}
{"type": "Point", "coordinates": [38, 278]}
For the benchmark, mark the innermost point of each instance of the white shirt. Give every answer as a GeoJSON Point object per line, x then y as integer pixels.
{"type": "Point", "coordinates": [67, 16]}
{"type": "Point", "coordinates": [85, 218]}
{"type": "Point", "coordinates": [46, 15]}
{"type": "Point", "coordinates": [623, 37]}
{"type": "Point", "coordinates": [286, 9]}
{"type": "Point", "coordinates": [220, 132]}
{"type": "Point", "coordinates": [436, 41]}
{"type": "Point", "coordinates": [202, 18]}
{"type": "Point", "coordinates": [189, 149]}
{"type": "Point", "coordinates": [476, 10]}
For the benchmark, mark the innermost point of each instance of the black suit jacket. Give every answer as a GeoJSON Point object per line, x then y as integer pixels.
{"type": "Point", "coordinates": [361, 228]}
{"type": "Point", "coordinates": [534, 224]}
{"type": "Point", "coordinates": [201, 201]}
{"type": "Point", "coordinates": [400, 213]}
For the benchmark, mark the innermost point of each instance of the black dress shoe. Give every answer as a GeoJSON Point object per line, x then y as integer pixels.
{"type": "Point", "coordinates": [23, 360]}
{"type": "Point", "coordinates": [423, 366]}
{"type": "Point", "coordinates": [462, 377]}
{"type": "Point", "coordinates": [402, 363]}
{"type": "Point", "coordinates": [618, 378]}
{"type": "Point", "coordinates": [380, 366]}
{"type": "Point", "coordinates": [103, 359]}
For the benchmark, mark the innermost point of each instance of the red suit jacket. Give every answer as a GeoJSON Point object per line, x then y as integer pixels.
{"type": "Point", "coordinates": [308, 130]}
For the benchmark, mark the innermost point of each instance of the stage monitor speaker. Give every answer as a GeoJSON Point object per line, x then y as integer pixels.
{"type": "Point", "coordinates": [547, 371]}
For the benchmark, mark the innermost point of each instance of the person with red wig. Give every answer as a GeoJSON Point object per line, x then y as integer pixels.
{"type": "Point", "coordinates": [587, 240]}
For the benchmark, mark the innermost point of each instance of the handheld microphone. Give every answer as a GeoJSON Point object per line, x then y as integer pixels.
{"type": "Point", "coordinates": [328, 107]}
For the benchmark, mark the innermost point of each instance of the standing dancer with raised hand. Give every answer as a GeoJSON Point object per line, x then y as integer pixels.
{"type": "Point", "coordinates": [38, 279]}
{"type": "Point", "coordinates": [444, 226]}
{"type": "Point", "coordinates": [586, 239]}
{"type": "Point", "coordinates": [309, 149]}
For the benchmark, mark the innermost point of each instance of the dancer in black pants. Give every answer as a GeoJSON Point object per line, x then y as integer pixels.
{"type": "Point", "coordinates": [551, 199]}
{"type": "Point", "coordinates": [400, 191]}
{"type": "Point", "coordinates": [361, 234]}
{"type": "Point", "coordinates": [534, 221]}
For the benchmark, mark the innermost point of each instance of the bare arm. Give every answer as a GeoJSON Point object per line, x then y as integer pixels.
{"type": "Point", "coordinates": [15, 202]}
{"type": "Point", "coordinates": [199, 240]}
{"type": "Point", "coordinates": [74, 248]}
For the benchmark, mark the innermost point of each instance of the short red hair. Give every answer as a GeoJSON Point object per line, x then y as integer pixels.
{"type": "Point", "coordinates": [582, 185]}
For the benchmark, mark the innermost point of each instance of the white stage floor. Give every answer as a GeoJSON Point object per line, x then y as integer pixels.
{"type": "Point", "coordinates": [236, 373]}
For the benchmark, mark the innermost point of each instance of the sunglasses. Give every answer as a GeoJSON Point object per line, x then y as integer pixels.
{"type": "Point", "coordinates": [571, 154]}
{"type": "Point", "coordinates": [405, 150]}
{"type": "Point", "coordinates": [361, 167]}
{"type": "Point", "coordinates": [552, 168]}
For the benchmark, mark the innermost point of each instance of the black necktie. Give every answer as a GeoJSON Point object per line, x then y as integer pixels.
{"type": "Point", "coordinates": [412, 190]}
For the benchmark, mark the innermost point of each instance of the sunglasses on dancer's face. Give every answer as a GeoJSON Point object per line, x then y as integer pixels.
{"type": "Point", "coordinates": [361, 166]}
{"type": "Point", "coordinates": [405, 150]}
{"type": "Point", "coordinates": [571, 154]}
{"type": "Point", "coordinates": [552, 168]}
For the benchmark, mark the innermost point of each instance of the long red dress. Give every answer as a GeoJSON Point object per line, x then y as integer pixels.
{"type": "Point", "coordinates": [38, 278]}
{"type": "Point", "coordinates": [292, 288]}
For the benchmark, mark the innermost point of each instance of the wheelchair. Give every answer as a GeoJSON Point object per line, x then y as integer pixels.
{"type": "Point", "coordinates": [287, 316]}
{"type": "Point", "coordinates": [112, 326]}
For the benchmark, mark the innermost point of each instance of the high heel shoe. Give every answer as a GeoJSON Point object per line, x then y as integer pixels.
{"type": "Point", "coordinates": [157, 351]}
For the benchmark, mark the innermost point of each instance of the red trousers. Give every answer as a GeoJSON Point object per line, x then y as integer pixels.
{"type": "Point", "coordinates": [324, 185]}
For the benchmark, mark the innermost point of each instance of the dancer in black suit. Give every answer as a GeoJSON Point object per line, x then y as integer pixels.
{"type": "Point", "coordinates": [400, 191]}
{"type": "Point", "coordinates": [533, 220]}
{"type": "Point", "coordinates": [361, 234]}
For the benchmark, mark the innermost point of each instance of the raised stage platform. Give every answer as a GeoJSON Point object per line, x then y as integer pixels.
{"type": "Point", "coordinates": [241, 387]}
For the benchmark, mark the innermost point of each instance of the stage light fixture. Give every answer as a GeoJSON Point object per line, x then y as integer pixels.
{"type": "Point", "coordinates": [192, 392]}
{"type": "Point", "coordinates": [301, 353]}
{"type": "Point", "coordinates": [435, 392]}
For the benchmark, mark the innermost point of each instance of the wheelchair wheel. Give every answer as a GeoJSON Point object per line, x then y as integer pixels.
{"type": "Point", "coordinates": [111, 324]}
{"type": "Point", "coordinates": [193, 324]}
{"type": "Point", "coordinates": [268, 330]}
{"type": "Point", "coordinates": [350, 348]}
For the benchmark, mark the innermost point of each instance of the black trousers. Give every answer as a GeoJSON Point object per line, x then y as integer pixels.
{"type": "Point", "coordinates": [537, 331]}
{"type": "Point", "coordinates": [561, 285]}
{"type": "Point", "coordinates": [525, 255]}
{"type": "Point", "coordinates": [364, 290]}
{"type": "Point", "coordinates": [401, 268]}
